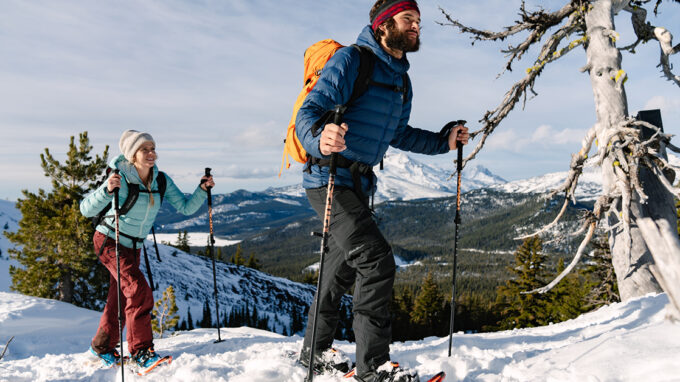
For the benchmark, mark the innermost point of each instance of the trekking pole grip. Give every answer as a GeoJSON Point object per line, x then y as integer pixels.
{"type": "Point", "coordinates": [459, 162]}
{"type": "Point", "coordinates": [338, 111]}
{"type": "Point", "coordinates": [459, 170]}
{"type": "Point", "coordinates": [207, 173]}
{"type": "Point", "coordinates": [116, 206]}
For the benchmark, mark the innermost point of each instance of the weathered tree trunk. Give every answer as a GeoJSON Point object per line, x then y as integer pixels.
{"type": "Point", "coordinates": [631, 257]}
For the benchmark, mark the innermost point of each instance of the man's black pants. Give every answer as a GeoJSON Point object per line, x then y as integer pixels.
{"type": "Point", "coordinates": [359, 253]}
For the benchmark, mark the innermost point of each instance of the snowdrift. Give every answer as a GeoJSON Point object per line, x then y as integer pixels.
{"type": "Point", "coordinates": [629, 341]}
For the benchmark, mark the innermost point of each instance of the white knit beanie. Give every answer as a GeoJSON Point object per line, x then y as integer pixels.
{"type": "Point", "coordinates": [130, 142]}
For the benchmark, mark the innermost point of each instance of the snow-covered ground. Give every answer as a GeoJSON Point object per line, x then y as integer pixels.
{"type": "Point", "coordinates": [629, 341]}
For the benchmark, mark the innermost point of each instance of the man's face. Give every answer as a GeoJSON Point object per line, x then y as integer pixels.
{"type": "Point", "coordinates": [404, 34]}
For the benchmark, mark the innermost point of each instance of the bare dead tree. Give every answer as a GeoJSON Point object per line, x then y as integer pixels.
{"type": "Point", "coordinates": [636, 205]}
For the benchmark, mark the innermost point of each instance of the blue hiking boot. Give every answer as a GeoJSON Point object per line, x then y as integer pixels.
{"type": "Point", "coordinates": [109, 359]}
{"type": "Point", "coordinates": [147, 360]}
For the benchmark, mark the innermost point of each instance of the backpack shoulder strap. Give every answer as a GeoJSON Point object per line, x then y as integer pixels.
{"type": "Point", "coordinates": [363, 80]}
{"type": "Point", "coordinates": [132, 196]}
{"type": "Point", "coordinates": [162, 182]}
{"type": "Point", "coordinates": [361, 83]}
{"type": "Point", "coordinates": [404, 85]}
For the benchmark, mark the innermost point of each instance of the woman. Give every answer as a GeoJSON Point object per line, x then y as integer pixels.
{"type": "Point", "coordinates": [137, 165]}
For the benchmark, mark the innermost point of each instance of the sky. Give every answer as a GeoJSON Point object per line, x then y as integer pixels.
{"type": "Point", "coordinates": [214, 82]}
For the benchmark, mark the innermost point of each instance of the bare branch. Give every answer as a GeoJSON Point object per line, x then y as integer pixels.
{"type": "Point", "coordinates": [603, 202]}
{"type": "Point", "coordinates": [537, 22]}
{"type": "Point", "coordinates": [662, 178]}
{"type": "Point", "coordinates": [548, 226]}
{"type": "Point", "coordinates": [573, 263]}
{"type": "Point", "coordinates": [576, 166]}
{"type": "Point", "coordinates": [645, 31]}
{"type": "Point", "coordinates": [6, 346]}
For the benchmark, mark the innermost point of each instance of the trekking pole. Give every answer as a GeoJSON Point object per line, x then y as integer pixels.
{"type": "Point", "coordinates": [155, 244]}
{"type": "Point", "coordinates": [116, 209]}
{"type": "Point", "coordinates": [212, 253]}
{"type": "Point", "coordinates": [337, 119]}
{"type": "Point", "coordinates": [148, 267]}
{"type": "Point", "coordinates": [459, 169]}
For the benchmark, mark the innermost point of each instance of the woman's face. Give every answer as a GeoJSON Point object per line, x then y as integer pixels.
{"type": "Point", "coordinates": [145, 157]}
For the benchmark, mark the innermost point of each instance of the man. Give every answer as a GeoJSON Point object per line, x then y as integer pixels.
{"type": "Point", "coordinates": [358, 253]}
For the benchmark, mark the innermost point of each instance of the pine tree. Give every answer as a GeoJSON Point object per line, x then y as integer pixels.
{"type": "Point", "coordinates": [600, 275]}
{"type": "Point", "coordinates": [182, 242]}
{"type": "Point", "coordinates": [524, 310]}
{"type": "Point", "coordinates": [428, 306]}
{"type": "Point", "coordinates": [206, 320]}
{"type": "Point", "coordinates": [566, 298]}
{"type": "Point", "coordinates": [401, 306]}
{"type": "Point", "coordinates": [253, 262]}
{"type": "Point", "coordinates": [190, 321]}
{"type": "Point", "coordinates": [310, 277]}
{"type": "Point", "coordinates": [165, 313]}
{"type": "Point", "coordinates": [57, 256]}
{"type": "Point", "coordinates": [237, 258]}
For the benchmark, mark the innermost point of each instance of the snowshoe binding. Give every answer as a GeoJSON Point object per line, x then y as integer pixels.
{"type": "Point", "coordinates": [329, 361]}
{"type": "Point", "coordinates": [147, 360]}
{"type": "Point", "coordinates": [390, 372]}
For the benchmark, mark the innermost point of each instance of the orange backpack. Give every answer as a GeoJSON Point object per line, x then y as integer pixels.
{"type": "Point", "coordinates": [316, 57]}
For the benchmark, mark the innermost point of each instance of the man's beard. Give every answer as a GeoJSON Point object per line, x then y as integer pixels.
{"type": "Point", "coordinates": [399, 40]}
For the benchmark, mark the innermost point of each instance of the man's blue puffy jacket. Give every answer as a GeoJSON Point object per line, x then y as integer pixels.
{"type": "Point", "coordinates": [376, 120]}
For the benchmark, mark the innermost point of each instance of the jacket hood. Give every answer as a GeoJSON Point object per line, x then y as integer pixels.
{"type": "Point", "coordinates": [366, 38]}
{"type": "Point", "coordinates": [128, 169]}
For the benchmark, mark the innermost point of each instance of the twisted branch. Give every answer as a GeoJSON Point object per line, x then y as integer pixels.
{"type": "Point", "coordinates": [549, 53]}
{"type": "Point", "coordinates": [645, 31]}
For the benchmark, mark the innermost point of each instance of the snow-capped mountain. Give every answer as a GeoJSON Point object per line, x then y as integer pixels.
{"type": "Point", "coordinates": [242, 213]}
{"type": "Point", "coordinates": [276, 300]}
{"type": "Point", "coordinates": [589, 185]}
{"type": "Point", "coordinates": [404, 178]}
{"type": "Point", "coordinates": [239, 288]}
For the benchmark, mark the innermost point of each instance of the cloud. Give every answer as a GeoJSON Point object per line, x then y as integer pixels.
{"type": "Point", "coordinates": [214, 81]}
{"type": "Point", "coordinates": [543, 137]}
{"type": "Point", "coordinates": [665, 104]}
{"type": "Point", "coordinates": [267, 135]}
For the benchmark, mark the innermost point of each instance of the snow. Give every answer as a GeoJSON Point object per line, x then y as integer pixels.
{"type": "Point", "coordinates": [9, 216]}
{"type": "Point", "coordinates": [405, 178]}
{"type": "Point", "coordinates": [196, 239]}
{"type": "Point", "coordinates": [589, 184]}
{"type": "Point", "coordinates": [628, 341]}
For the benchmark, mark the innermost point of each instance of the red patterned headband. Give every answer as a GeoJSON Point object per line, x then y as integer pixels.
{"type": "Point", "coordinates": [390, 9]}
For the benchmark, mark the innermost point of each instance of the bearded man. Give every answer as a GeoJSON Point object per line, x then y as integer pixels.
{"type": "Point", "coordinates": [358, 252]}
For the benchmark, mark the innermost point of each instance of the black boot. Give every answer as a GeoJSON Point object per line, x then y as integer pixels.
{"type": "Point", "coordinates": [329, 360]}
{"type": "Point", "coordinates": [389, 372]}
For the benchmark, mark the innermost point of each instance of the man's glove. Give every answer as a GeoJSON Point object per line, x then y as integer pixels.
{"type": "Point", "coordinates": [446, 130]}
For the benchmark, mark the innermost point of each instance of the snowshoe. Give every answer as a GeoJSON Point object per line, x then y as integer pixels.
{"type": "Point", "coordinates": [146, 360]}
{"type": "Point", "coordinates": [330, 360]}
{"type": "Point", "coordinates": [390, 372]}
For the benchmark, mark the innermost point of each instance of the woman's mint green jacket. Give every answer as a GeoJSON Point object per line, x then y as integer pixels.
{"type": "Point", "coordinates": [138, 221]}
